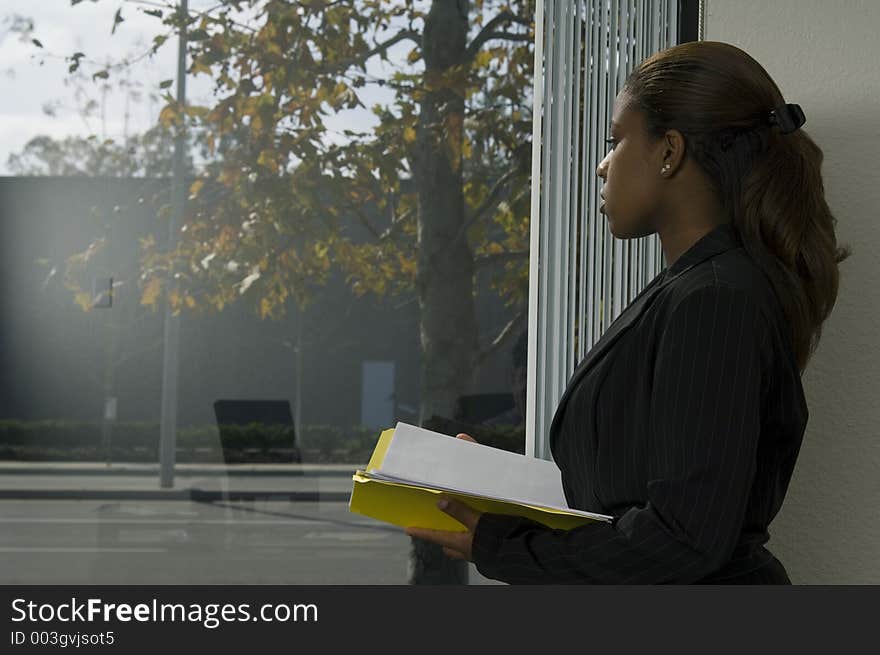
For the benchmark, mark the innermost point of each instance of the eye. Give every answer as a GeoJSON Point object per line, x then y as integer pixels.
{"type": "Point", "coordinates": [611, 142]}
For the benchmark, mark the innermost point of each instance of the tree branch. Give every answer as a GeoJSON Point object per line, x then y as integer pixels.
{"type": "Point", "coordinates": [366, 222]}
{"type": "Point", "coordinates": [489, 32]}
{"type": "Point", "coordinates": [382, 47]}
{"type": "Point", "coordinates": [503, 337]}
{"type": "Point", "coordinates": [489, 203]}
{"type": "Point", "coordinates": [494, 258]}
{"type": "Point", "coordinates": [395, 225]}
{"type": "Point", "coordinates": [507, 36]}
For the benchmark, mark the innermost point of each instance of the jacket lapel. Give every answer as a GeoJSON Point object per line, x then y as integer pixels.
{"type": "Point", "coordinates": [719, 240]}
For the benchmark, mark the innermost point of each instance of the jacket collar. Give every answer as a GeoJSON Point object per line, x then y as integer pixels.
{"type": "Point", "coordinates": [720, 239]}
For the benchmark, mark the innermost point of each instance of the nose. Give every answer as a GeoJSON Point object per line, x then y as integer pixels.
{"type": "Point", "coordinates": [601, 168]}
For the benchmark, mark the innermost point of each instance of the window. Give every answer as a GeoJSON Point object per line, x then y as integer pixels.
{"type": "Point", "coordinates": [581, 277]}
{"type": "Point", "coordinates": [219, 283]}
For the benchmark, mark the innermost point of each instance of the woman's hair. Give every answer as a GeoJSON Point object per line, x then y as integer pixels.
{"type": "Point", "coordinates": [769, 183]}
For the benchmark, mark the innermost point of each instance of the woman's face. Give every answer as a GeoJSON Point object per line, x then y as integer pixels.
{"type": "Point", "coordinates": [631, 171]}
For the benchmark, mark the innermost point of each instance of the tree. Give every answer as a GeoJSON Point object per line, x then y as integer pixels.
{"type": "Point", "coordinates": [440, 186]}
{"type": "Point", "coordinates": [147, 155]}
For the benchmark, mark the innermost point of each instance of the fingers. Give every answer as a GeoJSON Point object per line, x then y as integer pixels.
{"type": "Point", "coordinates": [453, 554]}
{"type": "Point", "coordinates": [462, 513]}
{"type": "Point", "coordinates": [465, 437]}
{"type": "Point", "coordinates": [457, 541]}
{"type": "Point", "coordinates": [456, 545]}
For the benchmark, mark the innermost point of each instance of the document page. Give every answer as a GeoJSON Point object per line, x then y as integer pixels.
{"type": "Point", "coordinates": [429, 458]}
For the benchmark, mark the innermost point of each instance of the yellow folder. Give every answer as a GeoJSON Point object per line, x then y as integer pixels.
{"type": "Point", "coordinates": [414, 505]}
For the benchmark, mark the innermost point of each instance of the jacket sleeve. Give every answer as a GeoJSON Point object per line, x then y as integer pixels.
{"type": "Point", "coordinates": [704, 426]}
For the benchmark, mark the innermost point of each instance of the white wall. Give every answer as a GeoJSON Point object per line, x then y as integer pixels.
{"type": "Point", "coordinates": [824, 56]}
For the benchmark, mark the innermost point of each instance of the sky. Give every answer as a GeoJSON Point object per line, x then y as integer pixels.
{"type": "Point", "coordinates": [34, 79]}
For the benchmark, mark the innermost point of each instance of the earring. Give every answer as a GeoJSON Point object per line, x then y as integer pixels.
{"type": "Point", "coordinates": [665, 168]}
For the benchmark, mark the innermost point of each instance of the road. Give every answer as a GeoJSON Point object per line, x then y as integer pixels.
{"type": "Point", "coordinates": [270, 538]}
{"type": "Point", "coordinates": [174, 542]}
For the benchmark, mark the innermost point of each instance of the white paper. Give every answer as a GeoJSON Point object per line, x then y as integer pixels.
{"type": "Point", "coordinates": [426, 458]}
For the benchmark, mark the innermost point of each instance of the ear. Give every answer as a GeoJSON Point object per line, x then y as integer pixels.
{"type": "Point", "coordinates": [672, 151]}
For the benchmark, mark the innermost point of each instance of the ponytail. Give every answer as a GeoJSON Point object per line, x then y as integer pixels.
{"type": "Point", "coordinates": [789, 231]}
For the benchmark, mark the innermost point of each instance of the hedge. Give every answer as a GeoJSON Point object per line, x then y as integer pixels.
{"type": "Point", "coordinates": [139, 442]}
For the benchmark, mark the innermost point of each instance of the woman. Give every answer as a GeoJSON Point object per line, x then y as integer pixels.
{"type": "Point", "coordinates": [685, 420]}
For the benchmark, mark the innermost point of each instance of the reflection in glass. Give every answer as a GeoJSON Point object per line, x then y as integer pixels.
{"type": "Point", "coordinates": [352, 251]}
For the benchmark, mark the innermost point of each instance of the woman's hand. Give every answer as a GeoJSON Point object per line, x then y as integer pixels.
{"type": "Point", "coordinates": [456, 545]}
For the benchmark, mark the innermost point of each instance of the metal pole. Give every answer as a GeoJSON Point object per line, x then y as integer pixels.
{"type": "Point", "coordinates": [701, 20]}
{"type": "Point", "coordinates": [297, 408]}
{"type": "Point", "coordinates": [534, 412]}
{"type": "Point", "coordinates": [170, 360]}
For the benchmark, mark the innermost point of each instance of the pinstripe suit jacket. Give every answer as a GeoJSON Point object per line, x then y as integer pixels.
{"type": "Point", "coordinates": [684, 422]}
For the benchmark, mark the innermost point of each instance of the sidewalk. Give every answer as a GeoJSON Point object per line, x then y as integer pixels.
{"type": "Point", "coordinates": [193, 482]}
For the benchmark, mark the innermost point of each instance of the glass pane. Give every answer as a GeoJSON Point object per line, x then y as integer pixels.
{"type": "Point", "coordinates": [216, 294]}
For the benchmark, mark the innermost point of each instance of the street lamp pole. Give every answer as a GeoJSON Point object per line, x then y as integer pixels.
{"type": "Point", "coordinates": [171, 352]}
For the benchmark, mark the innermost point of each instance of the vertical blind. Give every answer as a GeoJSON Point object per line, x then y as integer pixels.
{"type": "Point", "coordinates": [581, 277]}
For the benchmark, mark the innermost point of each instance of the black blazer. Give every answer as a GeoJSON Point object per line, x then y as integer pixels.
{"type": "Point", "coordinates": [684, 422]}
